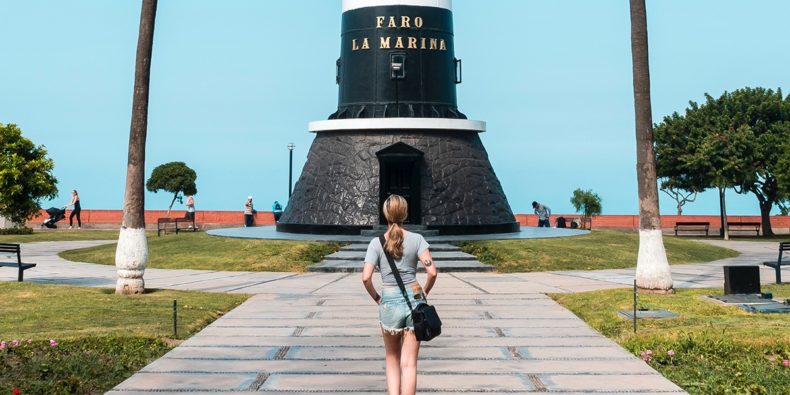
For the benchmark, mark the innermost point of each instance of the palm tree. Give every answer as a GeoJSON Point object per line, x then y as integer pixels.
{"type": "Point", "coordinates": [131, 255]}
{"type": "Point", "coordinates": [652, 268]}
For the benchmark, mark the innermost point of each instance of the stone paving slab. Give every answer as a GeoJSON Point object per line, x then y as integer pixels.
{"type": "Point", "coordinates": [531, 366]}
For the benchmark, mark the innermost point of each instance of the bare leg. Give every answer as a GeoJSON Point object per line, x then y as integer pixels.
{"type": "Point", "coordinates": [408, 363]}
{"type": "Point", "coordinates": [392, 346]}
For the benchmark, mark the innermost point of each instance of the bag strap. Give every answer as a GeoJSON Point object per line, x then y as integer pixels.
{"type": "Point", "coordinates": [395, 271]}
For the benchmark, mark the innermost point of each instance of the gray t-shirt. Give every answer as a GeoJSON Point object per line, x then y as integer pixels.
{"type": "Point", "coordinates": [413, 246]}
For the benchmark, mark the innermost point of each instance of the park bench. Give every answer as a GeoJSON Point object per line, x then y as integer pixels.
{"type": "Point", "coordinates": [692, 226]}
{"type": "Point", "coordinates": [783, 247]}
{"type": "Point", "coordinates": [14, 249]}
{"type": "Point", "coordinates": [183, 223]}
{"type": "Point", "coordinates": [744, 226]}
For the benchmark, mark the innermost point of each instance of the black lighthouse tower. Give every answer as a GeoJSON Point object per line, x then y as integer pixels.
{"type": "Point", "coordinates": [397, 130]}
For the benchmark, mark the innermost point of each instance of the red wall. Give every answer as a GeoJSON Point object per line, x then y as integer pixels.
{"type": "Point", "coordinates": [103, 218]}
{"type": "Point", "coordinates": [98, 218]}
{"type": "Point", "coordinates": [667, 221]}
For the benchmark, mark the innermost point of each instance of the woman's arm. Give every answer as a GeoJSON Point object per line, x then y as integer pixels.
{"type": "Point", "coordinates": [430, 269]}
{"type": "Point", "coordinates": [367, 280]}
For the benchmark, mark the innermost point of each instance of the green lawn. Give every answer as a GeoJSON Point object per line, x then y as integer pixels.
{"type": "Point", "coordinates": [201, 251]}
{"type": "Point", "coordinates": [102, 338]}
{"type": "Point", "coordinates": [717, 349]}
{"type": "Point", "coordinates": [61, 235]}
{"type": "Point", "coordinates": [601, 249]}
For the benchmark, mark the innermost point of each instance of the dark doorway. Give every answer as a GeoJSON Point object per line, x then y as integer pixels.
{"type": "Point", "coordinates": [399, 174]}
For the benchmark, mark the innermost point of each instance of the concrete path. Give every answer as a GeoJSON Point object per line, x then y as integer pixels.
{"type": "Point", "coordinates": [318, 332]}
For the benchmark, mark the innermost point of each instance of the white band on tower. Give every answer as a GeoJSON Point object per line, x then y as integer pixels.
{"type": "Point", "coordinates": [354, 4]}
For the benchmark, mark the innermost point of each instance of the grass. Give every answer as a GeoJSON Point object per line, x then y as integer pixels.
{"type": "Point", "coordinates": [201, 251]}
{"type": "Point", "coordinates": [718, 349]}
{"type": "Point", "coordinates": [102, 338]}
{"type": "Point", "coordinates": [600, 249]}
{"type": "Point", "coordinates": [61, 235]}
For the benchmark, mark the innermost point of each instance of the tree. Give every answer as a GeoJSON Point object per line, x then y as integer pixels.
{"type": "Point", "coordinates": [734, 141]}
{"type": "Point", "coordinates": [586, 202]}
{"type": "Point", "coordinates": [173, 177]}
{"type": "Point", "coordinates": [679, 195]}
{"type": "Point", "coordinates": [652, 267]}
{"type": "Point", "coordinates": [25, 175]}
{"type": "Point", "coordinates": [783, 176]}
{"type": "Point", "coordinates": [131, 255]}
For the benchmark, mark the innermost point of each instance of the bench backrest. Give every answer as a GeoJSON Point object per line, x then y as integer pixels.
{"type": "Point", "coordinates": [12, 248]}
{"type": "Point", "coordinates": [783, 247]}
{"type": "Point", "coordinates": [9, 247]}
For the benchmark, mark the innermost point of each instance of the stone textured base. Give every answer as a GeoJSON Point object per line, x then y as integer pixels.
{"type": "Point", "coordinates": [339, 185]}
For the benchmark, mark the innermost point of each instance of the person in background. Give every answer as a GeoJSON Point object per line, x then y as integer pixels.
{"type": "Point", "coordinates": [190, 207]}
{"type": "Point", "coordinates": [277, 209]}
{"type": "Point", "coordinates": [248, 211]}
{"type": "Point", "coordinates": [543, 212]}
{"type": "Point", "coordinates": [75, 201]}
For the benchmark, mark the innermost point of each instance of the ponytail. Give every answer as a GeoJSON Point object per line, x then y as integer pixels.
{"type": "Point", "coordinates": [395, 210]}
{"type": "Point", "coordinates": [394, 245]}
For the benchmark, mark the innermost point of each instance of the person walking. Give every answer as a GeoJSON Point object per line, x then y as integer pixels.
{"type": "Point", "coordinates": [406, 248]}
{"type": "Point", "coordinates": [248, 211]}
{"type": "Point", "coordinates": [543, 212]}
{"type": "Point", "coordinates": [75, 202]}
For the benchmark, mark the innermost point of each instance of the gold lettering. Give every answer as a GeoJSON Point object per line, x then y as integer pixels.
{"type": "Point", "coordinates": [354, 45]}
{"type": "Point", "coordinates": [412, 42]}
{"type": "Point", "coordinates": [399, 42]}
{"type": "Point", "coordinates": [418, 22]}
{"type": "Point", "coordinates": [422, 43]}
{"type": "Point", "coordinates": [365, 43]}
{"type": "Point", "coordinates": [442, 46]}
{"type": "Point", "coordinates": [405, 22]}
{"type": "Point", "coordinates": [379, 22]}
{"type": "Point", "coordinates": [434, 43]}
{"type": "Point", "coordinates": [384, 43]}
{"type": "Point", "coordinates": [392, 22]}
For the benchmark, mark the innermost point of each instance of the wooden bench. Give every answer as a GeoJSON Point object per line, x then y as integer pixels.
{"type": "Point", "coordinates": [744, 226]}
{"type": "Point", "coordinates": [783, 247]}
{"type": "Point", "coordinates": [692, 226]}
{"type": "Point", "coordinates": [183, 223]}
{"type": "Point", "coordinates": [14, 248]}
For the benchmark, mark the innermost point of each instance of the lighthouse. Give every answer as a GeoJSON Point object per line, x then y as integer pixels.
{"type": "Point", "coordinates": [397, 129]}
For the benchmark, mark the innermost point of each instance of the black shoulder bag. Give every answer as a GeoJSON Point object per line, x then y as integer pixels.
{"type": "Point", "coordinates": [427, 324]}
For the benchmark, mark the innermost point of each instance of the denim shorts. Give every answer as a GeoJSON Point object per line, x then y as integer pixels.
{"type": "Point", "coordinates": [394, 312]}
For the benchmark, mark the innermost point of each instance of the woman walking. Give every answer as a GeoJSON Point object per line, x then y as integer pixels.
{"type": "Point", "coordinates": [75, 201]}
{"type": "Point", "coordinates": [397, 327]}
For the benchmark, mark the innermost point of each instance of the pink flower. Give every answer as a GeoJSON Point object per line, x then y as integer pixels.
{"type": "Point", "coordinates": [646, 355]}
{"type": "Point", "coordinates": [671, 353]}
{"type": "Point", "coordinates": [53, 343]}
{"type": "Point", "coordinates": [14, 343]}
{"type": "Point", "coordinates": [786, 362]}
{"type": "Point", "coordinates": [2, 345]}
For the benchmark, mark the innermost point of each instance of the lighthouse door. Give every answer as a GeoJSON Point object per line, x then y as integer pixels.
{"type": "Point", "coordinates": [399, 174]}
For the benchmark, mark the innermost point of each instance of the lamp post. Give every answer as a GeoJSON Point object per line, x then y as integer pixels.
{"type": "Point", "coordinates": [291, 147]}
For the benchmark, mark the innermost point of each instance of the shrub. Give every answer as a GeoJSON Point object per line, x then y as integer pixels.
{"type": "Point", "coordinates": [17, 230]}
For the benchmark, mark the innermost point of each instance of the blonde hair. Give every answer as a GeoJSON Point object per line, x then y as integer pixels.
{"type": "Point", "coordinates": [395, 211]}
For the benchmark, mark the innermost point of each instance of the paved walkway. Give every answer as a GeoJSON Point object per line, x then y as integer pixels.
{"type": "Point", "coordinates": [318, 333]}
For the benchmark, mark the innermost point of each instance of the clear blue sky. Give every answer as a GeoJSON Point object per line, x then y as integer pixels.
{"type": "Point", "coordinates": [233, 82]}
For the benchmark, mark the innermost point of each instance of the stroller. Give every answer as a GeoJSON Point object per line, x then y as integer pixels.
{"type": "Point", "coordinates": [55, 215]}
